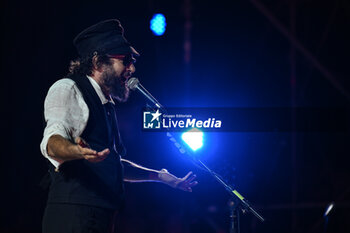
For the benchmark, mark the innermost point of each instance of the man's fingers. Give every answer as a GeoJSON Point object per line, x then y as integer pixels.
{"type": "Point", "coordinates": [188, 174]}
{"type": "Point", "coordinates": [90, 158]}
{"type": "Point", "coordinates": [96, 156]}
{"type": "Point", "coordinates": [81, 142]}
{"type": "Point", "coordinates": [77, 140]}
{"type": "Point", "coordinates": [193, 184]}
{"type": "Point", "coordinates": [104, 152]}
{"type": "Point", "coordinates": [191, 178]}
{"type": "Point", "coordinates": [187, 189]}
{"type": "Point", "coordinates": [87, 151]}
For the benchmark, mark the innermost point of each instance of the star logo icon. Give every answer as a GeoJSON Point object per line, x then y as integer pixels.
{"type": "Point", "coordinates": [156, 115]}
{"type": "Point", "coordinates": [152, 119]}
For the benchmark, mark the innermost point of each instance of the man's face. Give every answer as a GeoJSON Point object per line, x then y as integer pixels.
{"type": "Point", "coordinates": [116, 75]}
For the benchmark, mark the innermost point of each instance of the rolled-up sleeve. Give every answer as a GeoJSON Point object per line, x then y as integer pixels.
{"type": "Point", "coordinates": [65, 112]}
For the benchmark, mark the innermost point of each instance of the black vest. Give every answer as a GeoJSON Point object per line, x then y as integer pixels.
{"type": "Point", "coordinates": [82, 182]}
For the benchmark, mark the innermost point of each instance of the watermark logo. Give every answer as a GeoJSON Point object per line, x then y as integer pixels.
{"type": "Point", "coordinates": [270, 119]}
{"type": "Point", "coordinates": [178, 121]}
{"type": "Point", "coordinates": [152, 119]}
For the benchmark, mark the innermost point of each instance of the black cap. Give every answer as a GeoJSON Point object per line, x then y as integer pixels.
{"type": "Point", "coordinates": [104, 37]}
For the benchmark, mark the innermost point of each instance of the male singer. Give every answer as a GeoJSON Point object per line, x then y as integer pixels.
{"type": "Point", "coordinates": [81, 139]}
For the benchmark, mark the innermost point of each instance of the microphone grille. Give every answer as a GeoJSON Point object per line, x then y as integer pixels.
{"type": "Point", "coordinates": [132, 83]}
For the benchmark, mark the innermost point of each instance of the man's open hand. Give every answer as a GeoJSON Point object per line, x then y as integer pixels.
{"type": "Point", "coordinates": [89, 154]}
{"type": "Point", "coordinates": [186, 183]}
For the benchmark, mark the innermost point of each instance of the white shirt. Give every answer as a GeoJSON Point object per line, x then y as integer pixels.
{"type": "Point", "coordinates": [66, 112]}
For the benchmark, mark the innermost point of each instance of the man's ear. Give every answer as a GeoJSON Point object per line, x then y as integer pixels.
{"type": "Point", "coordinates": [95, 64]}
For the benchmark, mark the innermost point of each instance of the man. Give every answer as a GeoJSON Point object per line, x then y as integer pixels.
{"type": "Point", "coordinates": [81, 138]}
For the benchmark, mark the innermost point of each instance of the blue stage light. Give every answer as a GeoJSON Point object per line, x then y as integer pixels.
{"type": "Point", "coordinates": [329, 208]}
{"type": "Point", "coordinates": [193, 138]}
{"type": "Point", "coordinates": [158, 24]}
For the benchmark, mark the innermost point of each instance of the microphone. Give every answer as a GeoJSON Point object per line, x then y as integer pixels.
{"type": "Point", "coordinates": [134, 83]}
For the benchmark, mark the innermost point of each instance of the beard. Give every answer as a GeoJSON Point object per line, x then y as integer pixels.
{"type": "Point", "coordinates": [115, 84]}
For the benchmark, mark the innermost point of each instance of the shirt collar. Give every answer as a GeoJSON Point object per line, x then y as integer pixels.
{"type": "Point", "coordinates": [99, 92]}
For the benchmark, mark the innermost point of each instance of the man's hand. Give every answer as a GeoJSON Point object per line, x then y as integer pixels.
{"type": "Point", "coordinates": [186, 183]}
{"type": "Point", "coordinates": [89, 154]}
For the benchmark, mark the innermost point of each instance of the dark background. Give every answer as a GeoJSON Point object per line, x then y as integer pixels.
{"type": "Point", "coordinates": [239, 58]}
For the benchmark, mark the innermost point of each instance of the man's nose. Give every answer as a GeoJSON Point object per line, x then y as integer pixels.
{"type": "Point", "coordinates": [131, 68]}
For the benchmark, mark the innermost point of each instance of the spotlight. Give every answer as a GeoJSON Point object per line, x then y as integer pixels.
{"type": "Point", "coordinates": [328, 209]}
{"type": "Point", "coordinates": [193, 138]}
{"type": "Point", "coordinates": [158, 24]}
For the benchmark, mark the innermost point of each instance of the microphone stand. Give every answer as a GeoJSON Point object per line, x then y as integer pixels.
{"type": "Point", "coordinates": [234, 216]}
{"type": "Point", "coordinates": [237, 201]}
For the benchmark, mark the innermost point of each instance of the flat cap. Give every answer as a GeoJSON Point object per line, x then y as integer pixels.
{"type": "Point", "coordinates": [104, 37]}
